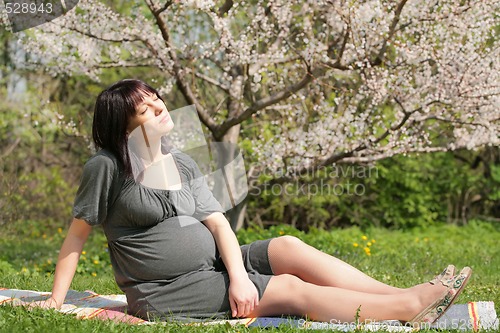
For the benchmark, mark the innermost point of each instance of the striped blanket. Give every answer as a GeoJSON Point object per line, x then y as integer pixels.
{"type": "Point", "coordinates": [85, 305]}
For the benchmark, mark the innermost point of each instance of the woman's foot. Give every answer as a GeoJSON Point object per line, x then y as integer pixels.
{"type": "Point", "coordinates": [423, 295]}
{"type": "Point", "coordinates": [445, 294]}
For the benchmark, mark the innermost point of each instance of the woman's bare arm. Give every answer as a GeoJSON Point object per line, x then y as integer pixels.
{"type": "Point", "coordinates": [243, 295]}
{"type": "Point", "coordinates": [67, 261]}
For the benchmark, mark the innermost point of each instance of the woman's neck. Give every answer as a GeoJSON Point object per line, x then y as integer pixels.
{"type": "Point", "coordinates": [146, 147]}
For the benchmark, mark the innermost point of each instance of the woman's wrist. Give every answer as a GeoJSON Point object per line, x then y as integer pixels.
{"type": "Point", "coordinates": [239, 274]}
{"type": "Point", "coordinates": [53, 302]}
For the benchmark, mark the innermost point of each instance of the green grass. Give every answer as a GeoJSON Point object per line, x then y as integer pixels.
{"type": "Point", "coordinates": [28, 256]}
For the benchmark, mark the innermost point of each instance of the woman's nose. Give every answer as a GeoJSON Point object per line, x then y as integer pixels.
{"type": "Point", "coordinates": [158, 111]}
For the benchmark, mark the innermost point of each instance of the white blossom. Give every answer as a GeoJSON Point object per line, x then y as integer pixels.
{"type": "Point", "coordinates": [385, 82]}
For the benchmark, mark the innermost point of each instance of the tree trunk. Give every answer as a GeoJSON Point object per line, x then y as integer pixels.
{"type": "Point", "coordinates": [237, 213]}
{"type": "Point", "coordinates": [236, 216]}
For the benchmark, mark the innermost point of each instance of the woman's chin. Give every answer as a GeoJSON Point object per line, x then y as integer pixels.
{"type": "Point", "coordinates": [169, 127]}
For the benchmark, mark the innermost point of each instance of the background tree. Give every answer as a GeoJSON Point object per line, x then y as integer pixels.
{"type": "Point", "coordinates": [305, 84]}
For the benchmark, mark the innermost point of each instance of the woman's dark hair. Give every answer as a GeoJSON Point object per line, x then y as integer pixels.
{"type": "Point", "coordinates": [113, 109]}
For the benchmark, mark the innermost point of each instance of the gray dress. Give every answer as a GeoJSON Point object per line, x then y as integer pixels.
{"type": "Point", "coordinates": [164, 259]}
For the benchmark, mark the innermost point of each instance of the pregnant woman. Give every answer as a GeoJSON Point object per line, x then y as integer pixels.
{"type": "Point", "coordinates": [174, 254]}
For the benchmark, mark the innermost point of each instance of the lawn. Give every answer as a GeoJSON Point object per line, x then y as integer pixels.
{"type": "Point", "coordinates": [401, 258]}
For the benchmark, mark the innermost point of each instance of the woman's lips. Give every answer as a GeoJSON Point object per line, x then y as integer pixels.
{"type": "Point", "coordinates": [165, 119]}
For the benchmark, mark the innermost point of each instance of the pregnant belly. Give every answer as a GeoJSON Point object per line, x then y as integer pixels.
{"type": "Point", "coordinates": [171, 248]}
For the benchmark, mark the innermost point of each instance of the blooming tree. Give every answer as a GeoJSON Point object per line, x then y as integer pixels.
{"type": "Point", "coordinates": [317, 81]}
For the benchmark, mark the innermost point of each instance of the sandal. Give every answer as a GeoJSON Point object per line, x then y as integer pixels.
{"type": "Point", "coordinates": [435, 310]}
{"type": "Point", "coordinates": [445, 277]}
{"type": "Point", "coordinates": [461, 280]}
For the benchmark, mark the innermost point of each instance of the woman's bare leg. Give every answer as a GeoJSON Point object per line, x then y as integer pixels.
{"type": "Point", "coordinates": [289, 255]}
{"type": "Point", "coordinates": [287, 294]}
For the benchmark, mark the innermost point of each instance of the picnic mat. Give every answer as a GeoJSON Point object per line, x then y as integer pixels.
{"type": "Point", "coordinates": [472, 316]}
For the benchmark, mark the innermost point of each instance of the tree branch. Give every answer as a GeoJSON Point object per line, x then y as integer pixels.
{"type": "Point", "coordinates": [118, 64]}
{"type": "Point", "coordinates": [10, 149]}
{"type": "Point", "coordinates": [228, 4]}
{"type": "Point", "coordinates": [456, 121]}
{"type": "Point", "coordinates": [164, 8]}
{"type": "Point", "coordinates": [341, 156]}
{"type": "Point", "coordinates": [91, 35]}
{"type": "Point", "coordinates": [388, 153]}
{"type": "Point", "coordinates": [179, 74]}
{"type": "Point", "coordinates": [209, 80]}
{"type": "Point", "coordinates": [392, 29]}
{"type": "Point", "coordinates": [253, 68]}
{"type": "Point", "coordinates": [270, 100]}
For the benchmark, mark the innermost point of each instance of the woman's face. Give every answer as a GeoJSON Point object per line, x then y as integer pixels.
{"type": "Point", "coordinates": [152, 111]}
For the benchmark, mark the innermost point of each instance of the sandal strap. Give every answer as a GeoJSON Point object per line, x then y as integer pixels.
{"type": "Point", "coordinates": [446, 276]}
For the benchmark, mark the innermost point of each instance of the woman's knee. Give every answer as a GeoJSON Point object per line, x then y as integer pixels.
{"type": "Point", "coordinates": [282, 253]}
{"type": "Point", "coordinates": [289, 241]}
{"type": "Point", "coordinates": [286, 293]}
{"type": "Point", "coordinates": [291, 282]}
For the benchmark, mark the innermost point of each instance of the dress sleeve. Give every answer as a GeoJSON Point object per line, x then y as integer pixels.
{"type": "Point", "coordinates": [97, 189]}
{"type": "Point", "coordinates": [205, 202]}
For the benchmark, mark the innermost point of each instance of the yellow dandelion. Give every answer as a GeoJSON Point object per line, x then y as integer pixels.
{"type": "Point", "coordinates": [369, 244]}
{"type": "Point", "coordinates": [367, 251]}
{"type": "Point", "coordinates": [373, 241]}
{"type": "Point", "coordinates": [355, 244]}
{"type": "Point", "coordinates": [96, 262]}
{"type": "Point", "coordinates": [59, 230]}
{"type": "Point", "coordinates": [281, 232]}
{"type": "Point", "coordinates": [364, 237]}
{"type": "Point", "coordinates": [49, 261]}
{"type": "Point", "coordinates": [44, 236]}
{"type": "Point", "coordinates": [94, 274]}
{"type": "Point", "coordinates": [84, 252]}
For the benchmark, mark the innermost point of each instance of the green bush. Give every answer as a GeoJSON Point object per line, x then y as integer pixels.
{"type": "Point", "coordinates": [6, 268]}
{"type": "Point", "coordinates": [398, 192]}
{"type": "Point", "coordinates": [421, 190]}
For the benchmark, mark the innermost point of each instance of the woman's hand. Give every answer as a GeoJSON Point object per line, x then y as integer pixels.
{"type": "Point", "coordinates": [49, 303]}
{"type": "Point", "coordinates": [243, 296]}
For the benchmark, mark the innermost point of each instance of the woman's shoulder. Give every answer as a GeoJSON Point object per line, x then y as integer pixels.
{"type": "Point", "coordinates": [185, 160]}
{"type": "Point", "coordinates": [102, 159]}
{"type": "Point", "coordinates": [181, 156]}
